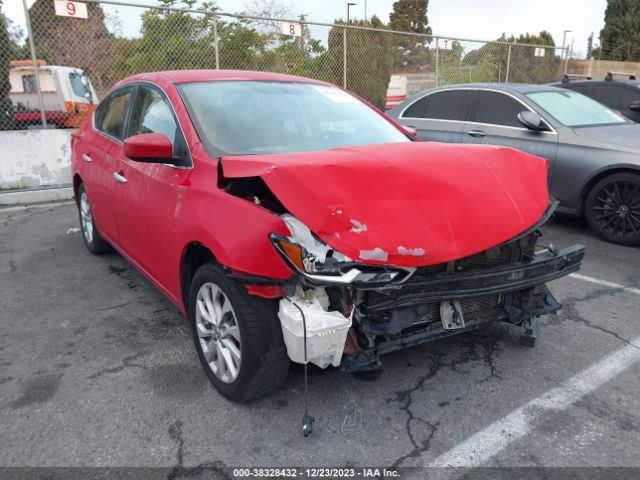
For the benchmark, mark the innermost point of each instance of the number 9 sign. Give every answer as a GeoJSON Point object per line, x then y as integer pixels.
{"type": "Point", "coordinates": [66, 8]}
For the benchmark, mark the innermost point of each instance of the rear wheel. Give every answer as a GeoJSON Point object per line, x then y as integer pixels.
{"type": "Point", "coordinates": [92, 239]}
{"type": "Point", "coordinates": [237, 336]}
{"type": "Point", "coordinates": [613, 208]}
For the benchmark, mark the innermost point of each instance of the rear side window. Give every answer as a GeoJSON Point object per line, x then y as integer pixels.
{"type": "Point", "coordinates": [440, 106]}
{"type": "Point", "coordinates": [615, 95]}
{"type": "Point", "coordinates": [112, 112]}
{"type": "Point", "coordinates": [498, 109]}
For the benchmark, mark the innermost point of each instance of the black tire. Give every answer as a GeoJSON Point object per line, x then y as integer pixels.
{"type": "Point", "coordinates": [264, 362]}
{"type": "Point", "coordinates": [93, 241]}
{"type": "Point", "coordinates": [612, 208]}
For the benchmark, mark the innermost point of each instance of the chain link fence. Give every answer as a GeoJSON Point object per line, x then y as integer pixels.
{"type": "Point", "coordinates": [78, 59]}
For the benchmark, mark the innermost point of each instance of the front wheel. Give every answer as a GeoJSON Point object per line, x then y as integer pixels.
{"type": "Point", "coordinates": [237, 336]}
{"type": "Point", "coordinates": [612, 208]}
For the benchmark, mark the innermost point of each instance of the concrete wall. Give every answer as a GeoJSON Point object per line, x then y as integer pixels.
{"type": "Point", "coordinates": [598, 68]}
{"type": "Point", "coordinates": [35, 158]}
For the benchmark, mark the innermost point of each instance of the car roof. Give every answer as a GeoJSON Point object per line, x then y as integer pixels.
{"type": "Point", "coordinates": [188, 76]}
{"type": "Point", "coordinates": [633, 83]}
{"type": "Point", "coordinates": [507, 87]}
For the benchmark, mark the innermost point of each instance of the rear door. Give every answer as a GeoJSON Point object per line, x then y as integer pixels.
{"type": "Point", "coordinates": [494, 120]}
{"type": "Point", "coordinates": [100, 155]}
{"type": "Point", "coordinates": [438, 116]}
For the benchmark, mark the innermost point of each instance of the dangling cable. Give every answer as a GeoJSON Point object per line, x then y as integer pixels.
{"type": "Point", "coordinates": [307, 420]}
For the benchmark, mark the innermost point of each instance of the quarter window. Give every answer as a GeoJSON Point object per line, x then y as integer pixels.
{"type": "Point", "coordinates": [152, 114]}
{"type": "Point", "coordinates": [112, 112]}
{"type": "Point", "coordinates": [448, 105]}
{"type": "Point", "coordinates": [29, 83]}
{"type": "Point", "coordinates": [498, 109]}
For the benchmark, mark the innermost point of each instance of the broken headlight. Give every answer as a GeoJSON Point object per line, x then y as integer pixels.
{"type": "Point", "coordinates": [320, 263]}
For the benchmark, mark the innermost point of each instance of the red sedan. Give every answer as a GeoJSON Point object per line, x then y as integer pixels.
{"type": "Point", "coordinates": [291, 221]}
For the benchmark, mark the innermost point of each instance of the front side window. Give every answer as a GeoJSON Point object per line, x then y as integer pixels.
{"type": "Point", "coordinates": [615, 95]}
{"type": "Point", "coordinates": [29, 83]}
{"type": "Point", "coordinates": [112, 112]}
{"type": "Point", "coordinates": [79, 89]}
{"type": "Point", "coordinates": [152, 114]}
{"type": "Point", "coordinates": [257, 117]}
{"type": "Point", "coordinates": [496, 108]}
{"type": "Point", "coordinates": [573, 109]}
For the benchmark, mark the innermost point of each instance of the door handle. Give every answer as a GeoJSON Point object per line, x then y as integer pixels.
{"type": "Point", "coordinates": [86, 157]}
{"type": "Point", "coordinates": [119, 178]}
{"type": "Point", "coordinates": [476, 133]}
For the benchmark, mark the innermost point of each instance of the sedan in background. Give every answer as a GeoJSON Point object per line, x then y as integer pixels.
{"type": "Point", "coordinates": [594, 151]}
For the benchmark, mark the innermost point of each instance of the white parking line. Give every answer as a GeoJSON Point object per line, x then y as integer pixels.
{"type": "Point", "coordinates": [488, 442]}
{"type": "Point", "coordinates": [605, 283]}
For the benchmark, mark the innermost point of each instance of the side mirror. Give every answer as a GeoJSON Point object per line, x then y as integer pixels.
{"type": "Point", "coordinates": [635, 106]}
{"type": "Point", "coordinates": [149, 148]}
{"type": "Point", "coordinates": [531, 120]}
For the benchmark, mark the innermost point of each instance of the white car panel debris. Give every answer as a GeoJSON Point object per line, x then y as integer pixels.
{"type": "Point", "coordinates": [326, 330]}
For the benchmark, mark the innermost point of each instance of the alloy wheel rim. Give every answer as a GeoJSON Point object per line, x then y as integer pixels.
{"type": "Point", "coordinates": [218, 332]}
{"type": "Point", "coordinates": [617, 208]}
{"type": "Point", "coordinates": [86, 218]}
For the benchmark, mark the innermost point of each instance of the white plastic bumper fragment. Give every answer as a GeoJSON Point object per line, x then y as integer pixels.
{"type": "Point", "coordinates": [326, 330]}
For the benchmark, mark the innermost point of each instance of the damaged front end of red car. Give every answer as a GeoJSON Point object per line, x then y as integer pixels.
{"type": "Point", "coordinates": [399, 244]}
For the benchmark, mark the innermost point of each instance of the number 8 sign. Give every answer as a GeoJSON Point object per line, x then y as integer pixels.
{"type": "Point", "coordinates": [66, 8]}
{"type": "Point", "coordinates": [293, 29]}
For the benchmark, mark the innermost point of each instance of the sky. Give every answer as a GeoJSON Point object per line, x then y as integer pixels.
{"type": "Point", "coordinates": [482, 19]}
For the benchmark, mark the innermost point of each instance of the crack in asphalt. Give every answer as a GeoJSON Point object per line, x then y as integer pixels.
{"type": "Point", "coordinates": [180, 471]}
{"type": "Point", "coordinates": [405, 398]}
{"type": "Point", "coordinates": [127, 362]}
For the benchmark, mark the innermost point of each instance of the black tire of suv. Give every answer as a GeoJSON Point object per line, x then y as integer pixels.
{"type": "Point", "coordinates": [594, 205]}
{"type": "Point", "coordinates": [97, 245]}
{"type": "Point", "coordinates": [265, 364]}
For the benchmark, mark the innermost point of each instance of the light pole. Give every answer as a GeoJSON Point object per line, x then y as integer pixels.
{"type": "Point", "coordinates": [349, 5]}
{"type": "Point", "coordinates": [564, 39]}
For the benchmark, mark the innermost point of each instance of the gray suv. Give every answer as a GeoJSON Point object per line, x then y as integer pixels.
{"type": "Point", "coordinates": [594, 152]}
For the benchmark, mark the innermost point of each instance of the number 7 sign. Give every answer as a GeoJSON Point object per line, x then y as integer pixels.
{"type": "Point", "coordinates": [66, 8]}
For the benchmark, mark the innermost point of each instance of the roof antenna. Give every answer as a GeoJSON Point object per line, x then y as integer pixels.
{"type": "Point", "coordinates": [307, 420]}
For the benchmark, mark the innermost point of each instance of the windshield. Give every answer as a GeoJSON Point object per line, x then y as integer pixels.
{"type": "Point", "coordinates": [573, 109]}
{"type": "Point", "coordinates": [254, 117]}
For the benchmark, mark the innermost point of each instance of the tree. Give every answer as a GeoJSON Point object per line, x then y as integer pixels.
{"type": "Point", "coordinates": [620, 37]}
{"type": "Point", "coordinates": [7, 52]}
{"type": "Point", "coordinates": [491, 62]}
{"type": "Point", "coordinates": [73, 42]}
{"type": "Point", "coordinates": [410, 16]}
{"type": "Point", "coordinates": [369, 61]}
{"type": "Point", "coordinates": [411, 52]}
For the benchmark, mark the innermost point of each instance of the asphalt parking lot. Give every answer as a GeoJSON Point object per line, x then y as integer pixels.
{"type": "Point", "coordinates": [97, 368]}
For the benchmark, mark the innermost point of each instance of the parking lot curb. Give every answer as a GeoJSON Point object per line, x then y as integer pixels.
{"type": "Point", "coordinates": [35, 195]}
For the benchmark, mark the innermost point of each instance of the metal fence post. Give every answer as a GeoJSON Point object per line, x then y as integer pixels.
{"type": "Point", "coordinates": [437, 55]}
{"type": "Point", "coordinates": [32, 48]}
{"type": "Point", "coordinates": [506, 76]}
{"type": "Point", "coordinates": [344, 57]}
{"type": "Point", "coordinates": [215, 41]}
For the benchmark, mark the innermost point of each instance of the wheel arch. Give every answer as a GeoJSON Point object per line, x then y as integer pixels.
{"type": "Point", "coordinates": [194, 255]}
{"type": "Point", "coordinates": [596, 177]}
{"type": "Point", "coordinates": [77, 181]}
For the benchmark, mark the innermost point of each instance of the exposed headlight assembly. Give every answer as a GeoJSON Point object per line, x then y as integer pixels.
{"type": "Point", "coordinates": [321, 264]}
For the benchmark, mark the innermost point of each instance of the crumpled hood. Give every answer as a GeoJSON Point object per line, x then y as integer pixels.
{"type": "Point", "coordinates": [406, 204]}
